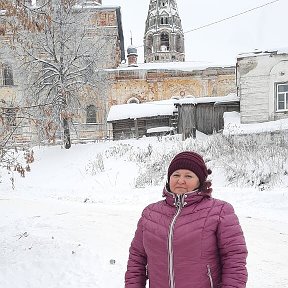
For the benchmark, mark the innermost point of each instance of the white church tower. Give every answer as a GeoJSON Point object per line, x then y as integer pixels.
{"type": "Point", "coordinates": [164, 37]}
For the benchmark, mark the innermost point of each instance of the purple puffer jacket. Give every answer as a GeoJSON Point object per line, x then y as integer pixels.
{"type": "Point", "coordinates": [188, 241]}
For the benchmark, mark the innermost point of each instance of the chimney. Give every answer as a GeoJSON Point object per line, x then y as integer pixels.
{"type": "Point", "coordinates": [132, 56]}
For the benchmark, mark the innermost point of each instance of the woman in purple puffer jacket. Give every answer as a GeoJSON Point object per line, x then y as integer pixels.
{"type": "Point", "coordinates": [188, 240]}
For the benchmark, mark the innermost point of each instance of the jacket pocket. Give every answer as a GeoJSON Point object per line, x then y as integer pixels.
{"type": "Point", "coordinates": [209, 274]}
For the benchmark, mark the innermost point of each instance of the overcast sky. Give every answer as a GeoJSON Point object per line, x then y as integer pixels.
{"type": "Point", "coordinates": [263, 28]}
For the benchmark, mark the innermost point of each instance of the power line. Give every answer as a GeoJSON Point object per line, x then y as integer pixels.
{"type": "Point", "coordinates": [227, 18]}
{"type": "Point", "coordinates": [230, 17]}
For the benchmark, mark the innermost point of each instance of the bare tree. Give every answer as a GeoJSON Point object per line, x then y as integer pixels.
{"type": "Point", "coordinates": [57, 52]}
{"type": "Point", "coordinates": [62, 51]}
{"type": "Point", "coordinates": [66, 58]}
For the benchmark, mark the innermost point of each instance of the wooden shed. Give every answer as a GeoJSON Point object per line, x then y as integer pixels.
{"type": "Point", "coordinates": [204, 114]}
{"type": "Point", "coordinates": [135, 120]}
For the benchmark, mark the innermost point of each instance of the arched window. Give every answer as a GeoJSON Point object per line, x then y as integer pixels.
{"type": "Point", "coordinates": [133, 100]}
{"type": "Point", "coordinates": [164, 44]}
{"type": "Point", "coordinates": [164, 20]}
{"type": "Point", "coordinates": [7, 75]}
{"type": "Point", "coordinates": [91, 114]}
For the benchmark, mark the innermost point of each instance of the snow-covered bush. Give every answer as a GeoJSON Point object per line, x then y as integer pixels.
{"type": "Point", "coordinates": [257, 160]}
{"type": "Point", "coordinates": [96, 165]}
{"type": "Point", "coordinates": [153, 170]}
{"type": "Point", "coordinates": [118, 150]}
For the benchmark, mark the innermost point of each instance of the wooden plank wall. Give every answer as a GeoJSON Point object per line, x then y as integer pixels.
{"type": "Point", "coordinates": [130, 128]}
{"type": "Point", "coordinates": [204, 117]}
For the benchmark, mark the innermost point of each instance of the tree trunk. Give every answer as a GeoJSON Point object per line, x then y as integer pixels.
{"type": "Point", "coordinates": [67, 138]}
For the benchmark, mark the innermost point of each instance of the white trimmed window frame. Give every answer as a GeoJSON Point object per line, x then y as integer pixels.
{"type": "Point", "coordinates": [281, 97]}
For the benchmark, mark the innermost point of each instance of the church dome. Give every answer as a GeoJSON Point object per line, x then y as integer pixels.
{"type": "Point", "coordinates": [131, 50]}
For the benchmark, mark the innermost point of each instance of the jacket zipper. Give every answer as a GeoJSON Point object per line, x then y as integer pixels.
{"type": "Point", "coordinates": [210, 276]}
{"type": "Point", "coordinates": [179, 203]}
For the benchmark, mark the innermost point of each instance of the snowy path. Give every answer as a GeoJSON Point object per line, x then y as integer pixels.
{"type": "Point", "coordinates": [268, 251]}
{"type": "Point", "coordinates": [62, 244]}
{"type": "Point", "coordinates": [53, 243]}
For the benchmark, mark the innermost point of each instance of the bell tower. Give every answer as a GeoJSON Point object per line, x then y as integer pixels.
{"type": "Point", "coordinates": [163, 37]}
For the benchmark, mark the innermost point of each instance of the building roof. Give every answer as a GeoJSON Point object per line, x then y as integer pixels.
{"type": "Point", "coordinates": [180, 66]}
{"type": "Point", "coordinates": [217, 100]}
{"type": "Point", "coordinates": [257, 52]}
{"type": "Point", "coordinates": [136, 111]}
{"type": "Point", "coordinates": [161, 108]}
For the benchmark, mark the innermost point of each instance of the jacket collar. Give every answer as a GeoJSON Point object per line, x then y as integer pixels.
{"type": "Point", "coordinates": [189, 197]}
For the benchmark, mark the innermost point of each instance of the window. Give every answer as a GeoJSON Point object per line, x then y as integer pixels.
{"type": "Point", "coordinates": [164, 20]}
{"type": "Point", "coordinates": [91, 114]}
{"type": "Point", "coordinates": [10, 116]}
{"type": "Point", "coordinates": [7, 75]}
{"type": "Point", "coordinates": [133, 100]}
{"type": "Point", "coordinates": [282, 97]}
{"type": "Point", "coordinates": [164, 42]}
{"type": "Point", "coordinates": [179, 44]}
{"type": "Point", "coordinates": [149, 44]}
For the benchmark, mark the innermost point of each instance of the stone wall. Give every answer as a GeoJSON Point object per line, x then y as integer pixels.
{"type": "Point", "coordinates": [152, 85]}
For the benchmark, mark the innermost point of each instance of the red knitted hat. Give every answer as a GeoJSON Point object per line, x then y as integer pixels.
{"type": "Point", "coordinates": [190, 161]}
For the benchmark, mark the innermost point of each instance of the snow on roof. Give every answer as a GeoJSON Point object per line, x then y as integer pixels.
{"type": "Point", "coordinates": [220, 99]}
{"type": "Point", "coordinates": [257, 52]}
{"type": "Point", "coordinates": [233, 126]}
{"type": "Point", "coordinates": [183, 66]}
{"type": "Point", "coordinates": [148, 109]}
{"type": "Point", "coordinates": [160, 108]}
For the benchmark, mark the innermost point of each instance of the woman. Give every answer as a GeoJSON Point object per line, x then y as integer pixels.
{"type": "Point", "coordinates": [188, 240]}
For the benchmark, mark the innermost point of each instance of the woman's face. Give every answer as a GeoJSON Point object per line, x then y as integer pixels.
{"type": "Point", "coordinates": [182, 181]}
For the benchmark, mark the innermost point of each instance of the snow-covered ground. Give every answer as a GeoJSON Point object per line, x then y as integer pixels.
{"type": "Point", "coordinates": [69, 225]}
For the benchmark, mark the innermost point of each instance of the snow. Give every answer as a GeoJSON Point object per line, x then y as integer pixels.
{"type": "Point", "coordinates": [147, 109]}
{"type": "Point", "coordinates": [217, 100]}
{"type": "Point", "coordinates": [70, 224]}
{"type": "Point", "coordinates": [233, 126]}
{"type": "Point", "coordinates": [257, 52]}
{"type": "Point", "coordinates": [162, 107]}
{"type": "Point", "coordinates": [160, 129]}
{"type": "Point", "coordinates": [181, 66]}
